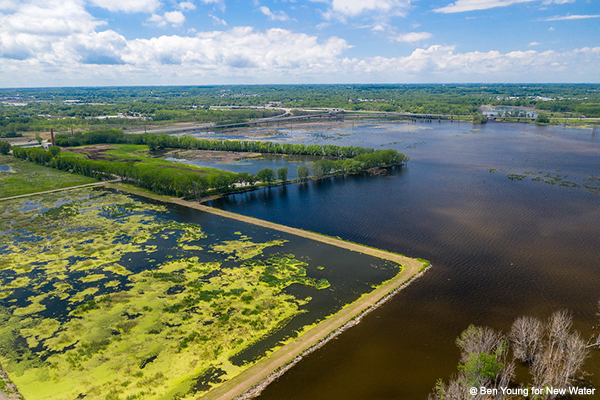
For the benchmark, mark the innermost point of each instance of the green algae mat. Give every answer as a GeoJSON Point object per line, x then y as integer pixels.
{"type": "Point", "coordinates": [108, 296]}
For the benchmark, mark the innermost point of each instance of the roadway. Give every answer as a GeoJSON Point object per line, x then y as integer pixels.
{"type": "Point", "coordinates": [328, 114]}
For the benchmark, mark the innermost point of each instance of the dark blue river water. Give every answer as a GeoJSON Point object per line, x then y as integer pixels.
{"type": "Point", "coordinates": [500, 247]}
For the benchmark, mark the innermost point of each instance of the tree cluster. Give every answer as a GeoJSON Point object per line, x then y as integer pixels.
{"type": "Point", "coordinates": [362, 162]}
{"type": "Point", "coordinates": [156, 178]}
{"type": "Point", "coordinates": [162, 141]}
{"type": "Point", "coordinates": [542, 119]}
{"type": "Point", "coordinates": [479, 118]}
{"type": "Point", "coordinates": [195, 184]}
{"type": "Point", "coordinates": [553, 353]}
{"type": "Point", "coordinates": [4, 147]}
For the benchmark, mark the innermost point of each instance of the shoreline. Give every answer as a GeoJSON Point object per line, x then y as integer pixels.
{"type": "Point", "coordinates": [250, 382]}
{"type": "Point", "coordinates": [258, 389]}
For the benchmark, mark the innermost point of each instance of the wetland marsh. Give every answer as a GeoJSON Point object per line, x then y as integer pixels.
{"type": "Point", "coordinates": [108, 295]}
{"type": "Point", "coordinates": [507, 213]}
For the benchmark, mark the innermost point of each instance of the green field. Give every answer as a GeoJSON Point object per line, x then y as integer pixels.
{"type": "Point", "coordinates": [31, 178]}
{"type": "Point", "coordinates": [138, 153]}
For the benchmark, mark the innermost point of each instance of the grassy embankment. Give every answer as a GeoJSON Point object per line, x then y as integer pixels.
{"type": "Point", "coordinates": [32, 178]}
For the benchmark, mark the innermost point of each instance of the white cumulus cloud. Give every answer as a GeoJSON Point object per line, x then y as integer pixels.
{"type": "Point", "coordinates": [175, 18]}
{"type": "Point", "coordinates": [412, 37]}
{"type": "Point", "coordinates": [274, 16]}
{"type": "Point", "coordinates": [128, 6]}
{"type": "Point", "coordinates": [238, 49]}
{"type": "Point", "coordinates": [353, 8]}
{"type": "Point", "coordinates": [186, 6]}
{"type": "Point", "coordinates": [35, 27]}
{"type": "Point", "coordinates": [474, 5]}
{"type": "Point", "coordinates": [51, 17]}
{"type": "Point", "coordinates": [443, 63]}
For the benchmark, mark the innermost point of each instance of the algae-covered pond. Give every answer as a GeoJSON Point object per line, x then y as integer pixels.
{"type": "Point", "coordinates": [107, 295]}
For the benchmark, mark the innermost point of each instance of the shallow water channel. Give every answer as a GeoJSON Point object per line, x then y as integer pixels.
{"type": "Point", "coordinates": [507, 213]}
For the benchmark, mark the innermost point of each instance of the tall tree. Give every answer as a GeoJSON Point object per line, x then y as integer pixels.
{"type": "Point", "coordinates": [4, 147]}
{"type": "Point", "coordinates": [282, 174]}
{"type": "Point", "coordinates": [266, 175]}
{"type": "Point", "coordinates": [303, 172]}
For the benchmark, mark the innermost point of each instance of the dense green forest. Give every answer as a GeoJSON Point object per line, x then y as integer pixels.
{"type": "Point", "coordinates": [66, 109]}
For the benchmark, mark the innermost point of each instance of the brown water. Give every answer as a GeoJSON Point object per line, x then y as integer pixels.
{"type": "Point", "coordinates": [500, 248]}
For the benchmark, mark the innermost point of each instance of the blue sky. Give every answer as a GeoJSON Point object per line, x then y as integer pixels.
{"type": "Point", "coordinates": [204, 42]}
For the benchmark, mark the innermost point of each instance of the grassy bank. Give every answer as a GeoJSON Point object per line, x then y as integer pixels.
{"type": "Point", "coordinates": [32, 178]}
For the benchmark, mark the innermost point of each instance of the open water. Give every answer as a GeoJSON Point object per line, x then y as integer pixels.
{"type": "Point", "coordinates": [500, 247]}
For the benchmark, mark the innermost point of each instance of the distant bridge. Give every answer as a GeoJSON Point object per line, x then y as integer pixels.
{"type": "Point", "coordinates": [329, 116]}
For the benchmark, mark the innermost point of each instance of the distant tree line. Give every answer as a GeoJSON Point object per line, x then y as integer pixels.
{"type": "Point", "coordinates": [73, 116]}
{"type": "Point", "coordinates": [196, 184]}
{"type": "Point", "coordinates": [81, 107]}
{"type": "Point", "coordinates": [163, 141]}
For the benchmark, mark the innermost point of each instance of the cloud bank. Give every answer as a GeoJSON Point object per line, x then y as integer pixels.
{"type": "Point", "coordinates": [58, 42]}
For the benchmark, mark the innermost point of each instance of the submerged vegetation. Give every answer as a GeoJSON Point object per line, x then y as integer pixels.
{"type": "Point", "coordinates": [591, 183]}
{"type": "Point", "coordinates": [102, 296]}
